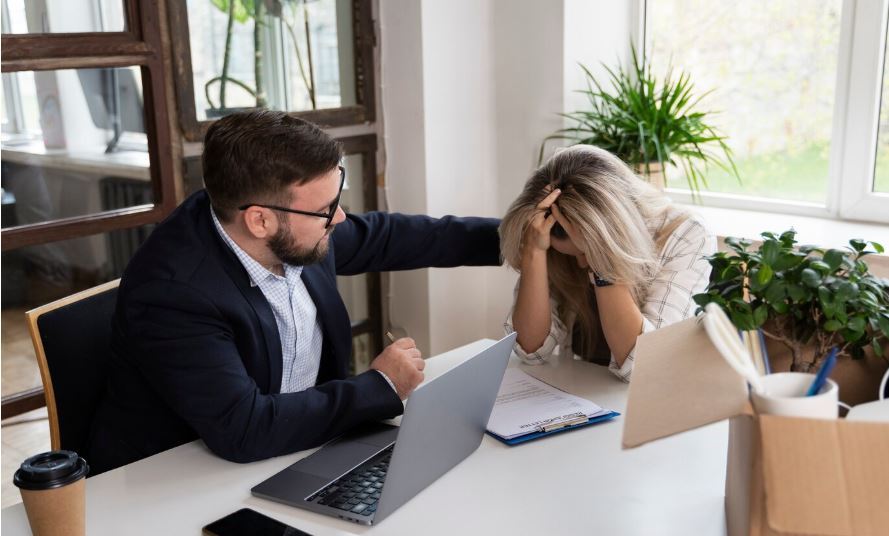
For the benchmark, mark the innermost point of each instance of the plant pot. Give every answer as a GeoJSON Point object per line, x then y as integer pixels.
{"type": "Point", "coordinates": [859, 379]}
{"type": "Point", "coordinates": [653, 173]}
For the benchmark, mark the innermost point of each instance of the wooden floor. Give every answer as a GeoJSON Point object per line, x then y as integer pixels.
{"type": "Point", "coordinates": [27, 434]}
{"type": "Point", "coordinates": [22, 436]}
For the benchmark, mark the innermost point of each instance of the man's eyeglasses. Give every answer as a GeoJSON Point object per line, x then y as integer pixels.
{"type": "Point", "coordinates": [326, 215]}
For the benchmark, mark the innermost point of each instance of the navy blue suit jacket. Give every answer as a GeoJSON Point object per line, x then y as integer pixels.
{"type": "Point", "coordinates": [196, 352]}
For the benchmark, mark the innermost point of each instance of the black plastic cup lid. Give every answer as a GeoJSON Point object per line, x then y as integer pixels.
{"type": "Point", "coordinates": [49, 470]}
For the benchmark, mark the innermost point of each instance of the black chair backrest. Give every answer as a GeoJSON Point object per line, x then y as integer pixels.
{"type": "Point", "coordinates": [77, 343]}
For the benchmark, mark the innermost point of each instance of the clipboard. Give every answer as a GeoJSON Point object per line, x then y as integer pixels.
{"type": "Point", "coordinates": [531, 436]}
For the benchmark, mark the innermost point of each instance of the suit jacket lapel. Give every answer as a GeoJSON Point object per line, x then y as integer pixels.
{"type": "Point", "coordinates": [333, 317]}
{"type": "Point", "coordinates": [257, 301]}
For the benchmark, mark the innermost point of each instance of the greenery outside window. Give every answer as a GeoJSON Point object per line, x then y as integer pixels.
{"type": "Point", "coordinates": [798, 89]}
{"type": "Point", "coordinates": [309, 57]}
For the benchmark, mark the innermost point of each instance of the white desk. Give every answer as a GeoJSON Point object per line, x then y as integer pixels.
{"type": "Point", "coordinates": [578, 482]}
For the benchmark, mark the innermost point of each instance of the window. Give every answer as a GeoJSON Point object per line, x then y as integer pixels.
{"type": "Point", "coordinates": [881, 173]}
{"type": "Point", "coordinates": [795, 85]}
{"type": "Point", "coordinates": [86, 160]}
{"type": "Point", "coordinates": [310, 57]}
{"type": "Point", "coordinates": [70, 16]}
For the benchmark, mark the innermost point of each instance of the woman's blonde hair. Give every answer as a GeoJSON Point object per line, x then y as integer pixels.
{"type": "Point", "coordinates": [622, 220]}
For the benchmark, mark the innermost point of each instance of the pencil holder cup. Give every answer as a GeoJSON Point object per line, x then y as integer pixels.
{"type": "Point", "coordinates": [785, 394]}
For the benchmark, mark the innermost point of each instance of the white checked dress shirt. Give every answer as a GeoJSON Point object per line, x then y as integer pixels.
{"type": "Point", "coordinates": [683, 273]}
{"type": "Point", "coordinates": [295, 315]}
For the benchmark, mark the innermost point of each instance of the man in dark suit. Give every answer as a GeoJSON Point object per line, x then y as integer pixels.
{"type": "Point", "coordinates": [229, 326]}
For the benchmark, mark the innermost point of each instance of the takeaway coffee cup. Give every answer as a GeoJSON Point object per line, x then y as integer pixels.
{"type": "Point", "coordinates": [53, 490]}
{"type": "Point", "coordinates": [785, 394]}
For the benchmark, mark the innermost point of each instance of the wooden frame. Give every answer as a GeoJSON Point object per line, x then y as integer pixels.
{"type": "Point", "coordinates": [364, 41]}
{"type": "Point", "coordinates": [33, 317]}
{"type": "Point", "coordinates": [141, 45]}
{"type": "Point", "coordinates": [373, 324]}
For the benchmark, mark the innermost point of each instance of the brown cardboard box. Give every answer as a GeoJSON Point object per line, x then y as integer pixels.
{"type": "Point", "coordinates": [783, 475]}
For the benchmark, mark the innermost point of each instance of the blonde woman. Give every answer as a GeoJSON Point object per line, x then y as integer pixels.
{"type": "Point", "coordinates": [603, 258]}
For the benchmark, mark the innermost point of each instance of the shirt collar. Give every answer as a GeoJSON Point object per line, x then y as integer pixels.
{"type": "Point", "coordinates": [256, 271]}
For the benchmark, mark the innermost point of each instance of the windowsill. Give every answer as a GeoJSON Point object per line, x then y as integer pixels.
{"type": "Point", "coordinates": [824, 232]}
{"type": "Point", "coordinates": [810, 230]}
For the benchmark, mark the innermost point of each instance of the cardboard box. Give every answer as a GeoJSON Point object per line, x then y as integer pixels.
{"type": "Point", "coordinates": [783, 475]}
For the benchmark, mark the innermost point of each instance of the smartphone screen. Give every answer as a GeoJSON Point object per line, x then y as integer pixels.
{"type": "Point", "coordinates": [247, 522]}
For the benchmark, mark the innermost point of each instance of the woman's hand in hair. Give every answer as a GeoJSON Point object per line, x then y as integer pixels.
{"type": "Point", "coordinates": [537, 232]}
{"type": "Point", "coordinates": [570, 230]}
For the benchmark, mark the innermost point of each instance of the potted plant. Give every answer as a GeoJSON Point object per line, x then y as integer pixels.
{"type": "Point", "coordinates": [810, 297]}
{"type": "Point", "coordinates": [650, 124]}
{"type": "Point", "coordinates": [240, 11]}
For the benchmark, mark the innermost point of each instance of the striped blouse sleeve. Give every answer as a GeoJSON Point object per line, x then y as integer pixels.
{"type": "Point", "coordinates": [684, 272]}
{"type": "Point", "coordinates": [556, 337]}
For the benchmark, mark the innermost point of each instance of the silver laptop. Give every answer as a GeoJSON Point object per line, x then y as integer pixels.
{"type": "Point", "coordinates": [368, 473]}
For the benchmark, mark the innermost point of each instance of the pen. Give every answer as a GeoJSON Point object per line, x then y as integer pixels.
{"type": "Point", "coordinates": [823, 373]}
{"type": "Point", "coordinates": [765, 352]}
{"type": "Point", "coordinates": [390, 336]}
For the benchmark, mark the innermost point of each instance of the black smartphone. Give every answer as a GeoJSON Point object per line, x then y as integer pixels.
{"type": "Point", "coordinates": [247, 522]}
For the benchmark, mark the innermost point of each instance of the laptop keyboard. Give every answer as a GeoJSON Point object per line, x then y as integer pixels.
{"type": "Point", "coordinates": [358, 491]}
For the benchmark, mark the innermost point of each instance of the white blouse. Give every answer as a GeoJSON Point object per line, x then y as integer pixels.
{"type": "Point", "coordinates": [684, 272]}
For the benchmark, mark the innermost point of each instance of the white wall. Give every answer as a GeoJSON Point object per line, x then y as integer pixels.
{"type": "Point", "coordinates": [401, 85]}
{"type": "Point", "coordinates": [469, 91]}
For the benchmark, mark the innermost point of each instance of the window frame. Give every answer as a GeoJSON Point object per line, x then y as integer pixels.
{"type": "Point", "coordinates": [366, 147]}
{"type": "Point", "coordinates": [140, 45]}
{"type": "Point", "coordinates": [862, 45]}
{"type": "Point", "coordinates": [364, 42]}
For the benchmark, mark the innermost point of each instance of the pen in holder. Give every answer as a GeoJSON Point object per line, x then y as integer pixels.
{"type": "Point", "coordinates": [785, 394]}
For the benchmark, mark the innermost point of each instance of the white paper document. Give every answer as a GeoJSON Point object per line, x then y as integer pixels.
{"type": "Point", "coordinates": [525, 405]}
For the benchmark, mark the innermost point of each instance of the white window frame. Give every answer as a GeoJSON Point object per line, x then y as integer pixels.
{"type": "Point", "coordinates": [860, 61]}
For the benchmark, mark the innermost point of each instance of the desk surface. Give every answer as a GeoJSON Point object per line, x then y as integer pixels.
{"type": "Point", "coordinates": [578, 482]}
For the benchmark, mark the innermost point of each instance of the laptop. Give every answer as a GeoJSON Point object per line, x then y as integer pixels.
{"type": "Point", "coordinates": [368, 473]}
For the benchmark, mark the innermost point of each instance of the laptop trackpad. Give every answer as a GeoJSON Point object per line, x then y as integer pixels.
{"type": "Point", "coordinates": [341, 455]}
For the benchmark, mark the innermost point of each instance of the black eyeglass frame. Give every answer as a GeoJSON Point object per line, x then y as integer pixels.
{"type": "Point", "coordinates": [329, 216]}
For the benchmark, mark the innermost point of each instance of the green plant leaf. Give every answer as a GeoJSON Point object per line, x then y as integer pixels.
{"type": "Point", "coordinates": [780, 307]}
{"type": "Point", "coordinates": [822, 267]}
{"type": "Point", "coordinates": [858, 244]}
{"type": "Point", "coordinates": [796, 292]}
{"type": "Point", "coordinates": [832, 325]}
{"type": "Point", "coordinates": [846, 291]}
{"type": "Point", "coordinates": [765, 274]}
{"type": "Point", "coordinates": [878, 348]}
{"type": "Point", "coordinates": [702, 299]}
{"type": "Point", "coordinates": [770, 251]}
{"type": "Point", "coordinates": [811, 278]}
{"type": "Point", "coordinates": [856, 323]}
{"type": "Point", "coordinates": [834, 258]}
{"type": "Point", "coordinates": [760, 315]}
{"type": "Point", "coordinates": [775, 292]}
{"type": "Point", "coordinates": [883, 321]}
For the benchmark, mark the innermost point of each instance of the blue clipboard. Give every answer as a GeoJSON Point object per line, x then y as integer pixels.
{"type": "Point", "coordinates": [518, 440]}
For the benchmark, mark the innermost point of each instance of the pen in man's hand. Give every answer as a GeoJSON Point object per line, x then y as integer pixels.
{"type": "Point", "coordinates": [390, 336]}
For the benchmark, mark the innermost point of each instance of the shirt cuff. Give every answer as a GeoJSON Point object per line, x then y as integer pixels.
{"type": "Point", "coordinates": [533, 358]}
{"type": "Point", "coordinates": [626, 370]}
{"type": "Point", "coordinates": [392, 385]}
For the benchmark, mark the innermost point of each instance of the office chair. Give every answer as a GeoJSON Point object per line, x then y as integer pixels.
{"type": "Point", "coordinates": [72, 340]}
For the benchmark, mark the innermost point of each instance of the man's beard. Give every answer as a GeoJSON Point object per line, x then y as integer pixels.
{"type": "Point", "coordinates": [284, 246]}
